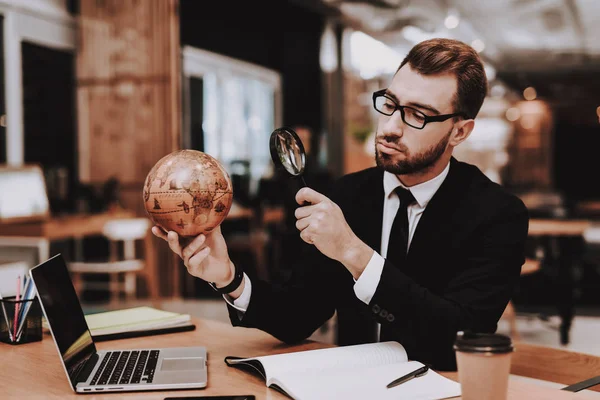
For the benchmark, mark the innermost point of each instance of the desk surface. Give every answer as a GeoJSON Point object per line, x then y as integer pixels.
{"type": "Point", "coordinates": [558, 227]}
{"type": "Point", "coordinates": [33, 370]}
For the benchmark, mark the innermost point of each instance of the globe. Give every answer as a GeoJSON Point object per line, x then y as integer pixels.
{"type": "Point", "coordinates": [188, 192]}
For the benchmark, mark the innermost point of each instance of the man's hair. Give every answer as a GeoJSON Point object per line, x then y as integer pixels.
{"type": "Point", "coordinates": [439, 56]}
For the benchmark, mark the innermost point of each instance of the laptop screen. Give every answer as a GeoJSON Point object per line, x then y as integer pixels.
{"type": "Point", "coordinates": [64, 314]}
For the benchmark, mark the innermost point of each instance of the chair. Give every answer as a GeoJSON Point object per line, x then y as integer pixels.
{"type": "Point", "coordinates": [531, 265]}
{"type": "Point", "coordinates": [254, 240]}
{"type": "Point", "coordinates": [127, 232]}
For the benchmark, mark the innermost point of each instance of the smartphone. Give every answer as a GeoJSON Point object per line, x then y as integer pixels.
{"type": "Point", "coordinates": [237, 397]}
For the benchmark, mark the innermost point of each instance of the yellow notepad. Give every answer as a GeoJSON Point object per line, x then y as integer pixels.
{"type": "Point", "coordinates": [133, 319]}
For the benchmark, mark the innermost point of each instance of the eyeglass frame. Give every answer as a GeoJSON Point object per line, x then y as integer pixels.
{"type": "Point", "coordinates": [427, 118]}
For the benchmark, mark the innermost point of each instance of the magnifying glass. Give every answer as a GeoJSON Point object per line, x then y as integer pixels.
{"type": "Point", "coordinates": [287, 152]}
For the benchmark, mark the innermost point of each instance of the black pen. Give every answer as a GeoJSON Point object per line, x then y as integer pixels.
{"type": "Point", "coordinates": [415, 374]}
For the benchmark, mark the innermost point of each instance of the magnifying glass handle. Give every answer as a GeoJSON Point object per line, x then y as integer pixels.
{"type": "Point", "coordinates": [305, 203]}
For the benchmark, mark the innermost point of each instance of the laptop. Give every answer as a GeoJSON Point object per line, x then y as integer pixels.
{"type": "Point", "coordinates": [93, 371]}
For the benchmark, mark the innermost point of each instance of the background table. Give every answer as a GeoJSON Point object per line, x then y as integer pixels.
{"type": "Point", "coordinates": [566, 240]}
{"type": "Point", "coordinates": [76, 227]}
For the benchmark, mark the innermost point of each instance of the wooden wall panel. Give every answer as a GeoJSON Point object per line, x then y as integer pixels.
{"type": "Point", "coordinates": [531, 147]}
{"type": "Point", "coordinates": [358, 123]}
{"type": "Point", "coordinates": [129, 101]}
{"type": "Point", "coordinates": [128, 80]}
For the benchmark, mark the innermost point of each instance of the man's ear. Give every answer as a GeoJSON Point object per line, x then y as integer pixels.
{"type": "Point", "coordinates": [462, 130]}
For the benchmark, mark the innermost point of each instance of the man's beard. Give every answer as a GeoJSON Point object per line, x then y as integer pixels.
{"type": "Point", "coordinates": [411, 164]}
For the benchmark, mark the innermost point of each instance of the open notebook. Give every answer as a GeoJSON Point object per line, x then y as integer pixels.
{"type": "Point", "coordinates": [349, 372]}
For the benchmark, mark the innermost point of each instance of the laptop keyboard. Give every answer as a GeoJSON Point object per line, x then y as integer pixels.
{"type": "Point", "coordinates": [125, 367]}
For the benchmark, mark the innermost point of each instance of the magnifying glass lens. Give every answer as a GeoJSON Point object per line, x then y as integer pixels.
{"type": "Point", "coordinates": [287, 151]}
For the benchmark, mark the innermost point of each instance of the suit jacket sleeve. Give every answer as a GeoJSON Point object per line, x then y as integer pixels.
{"type": "Point", "coordinates": [293, 310]}
{"type": "Point", "coordinates": [474, 298]}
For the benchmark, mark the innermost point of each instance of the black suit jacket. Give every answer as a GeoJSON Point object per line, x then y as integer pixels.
{"type": "Point", "coordinates": [463, 264]}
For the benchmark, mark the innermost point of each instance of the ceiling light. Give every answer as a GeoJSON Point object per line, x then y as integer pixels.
{"type": "Point", "coordinates": [451, 21]}
{"type": "Point", "coordinates": [490, 71]}
{"type": "Point", "coordinates": [529, 93]}
{"type": "Point", "coordinates": [328, 58]}
{"type": "Point", "coordinates": [478, 45]}
{"type": "Point", "coordinates": [528, 121]}
{"type": "Point", "coordinates": [371, 57]}
{"type": "Point", "coordinates": [413, 33]}
{"type": "Point", "coordinates": [498, 90]}
{"type": "Point", "coordinates": [513, 114]}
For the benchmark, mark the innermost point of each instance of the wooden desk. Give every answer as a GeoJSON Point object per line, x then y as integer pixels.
{"type": "Point", "coordinates": [64, 227]}
{"type": "Point", "coordinates": [33, 370]}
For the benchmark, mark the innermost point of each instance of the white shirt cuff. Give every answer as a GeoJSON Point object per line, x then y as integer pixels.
{"type": "Point", "coordinates": [367, 282]}
{"type": "Point", "coordinates": [242, 302]}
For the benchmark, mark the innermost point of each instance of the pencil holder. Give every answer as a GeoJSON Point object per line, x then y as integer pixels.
{"type": "Point", "coordinates": [21, 321]}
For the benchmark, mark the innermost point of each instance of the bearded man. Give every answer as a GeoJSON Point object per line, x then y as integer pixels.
{"type": "Point", "coordinates": [413, 250]}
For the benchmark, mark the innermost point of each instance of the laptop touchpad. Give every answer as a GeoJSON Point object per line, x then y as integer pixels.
{"type": "Point", "coordinates": [182, 364]}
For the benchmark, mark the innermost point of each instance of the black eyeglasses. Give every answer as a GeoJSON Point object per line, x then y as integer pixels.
{"type": "Point", "coordinates": [384, 104]}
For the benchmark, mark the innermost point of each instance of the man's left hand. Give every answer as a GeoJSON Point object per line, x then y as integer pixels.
{"type": "Point", "coordinates": [322, 224]}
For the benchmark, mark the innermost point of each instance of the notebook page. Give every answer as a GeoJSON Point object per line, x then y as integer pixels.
{"type": "Point", "coordinates": [336, 358]}
{"type": "Point", "coordinates": [369, 383]}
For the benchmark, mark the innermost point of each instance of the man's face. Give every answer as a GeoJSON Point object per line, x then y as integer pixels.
{"type": "Point", "coordinates": [402, 149]}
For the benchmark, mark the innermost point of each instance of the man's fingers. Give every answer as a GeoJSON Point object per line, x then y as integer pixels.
{"type": "Point", "coordinates": [309, 195]}
{"type": "Point", "coordinates": [304, 235]}
{"type": "Point", "coordinates": [197, 259]}
{"type": "Point", "coordinates": [302, 224]}
{"type": "Point", "coordinates": [192, 247]}
{"type": "Point", "coordinates": [303, 212]}
{"type": "Point", "coordinates": [159, 232]}
{"type": "Point", "coordinates": [173, 240]}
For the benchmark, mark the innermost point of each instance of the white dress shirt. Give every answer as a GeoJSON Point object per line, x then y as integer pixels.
{"type": "Point", "coordinates": [367, 283]}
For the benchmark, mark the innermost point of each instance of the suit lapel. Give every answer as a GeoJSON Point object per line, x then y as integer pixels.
{"type": "Point", "coordinates": [436, 218]}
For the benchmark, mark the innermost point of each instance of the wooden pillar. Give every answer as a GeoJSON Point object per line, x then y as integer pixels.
{"type": "Point", "coordinates": [128, 96]}
{"type": "Point", "coordinates": [333, 109]}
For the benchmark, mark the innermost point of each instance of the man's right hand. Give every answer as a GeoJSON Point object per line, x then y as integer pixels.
{"type": "Point", "coordinates": [204, 256]}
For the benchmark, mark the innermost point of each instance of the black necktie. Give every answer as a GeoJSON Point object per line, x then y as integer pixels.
{"type": "Point", "coordinates": [398, 240]}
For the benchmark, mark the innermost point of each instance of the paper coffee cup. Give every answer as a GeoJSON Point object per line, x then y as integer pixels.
{"type": "Point", "coordinates": [483, 361]}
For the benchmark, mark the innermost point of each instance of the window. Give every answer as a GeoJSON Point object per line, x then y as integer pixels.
{"type": "Point", "coordinates": [230, 109]}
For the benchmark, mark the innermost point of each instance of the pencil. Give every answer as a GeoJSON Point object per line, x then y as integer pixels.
{"type": "Point", "coordinates": [10, 336]}
{"type": "Point", "coordinates": [16, 316]}
{"type": "Point", "coordinates": [28, 296]}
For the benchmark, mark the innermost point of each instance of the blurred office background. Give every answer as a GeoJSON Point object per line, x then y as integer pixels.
{"type": "Point", "coordinates": [94, 92]}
